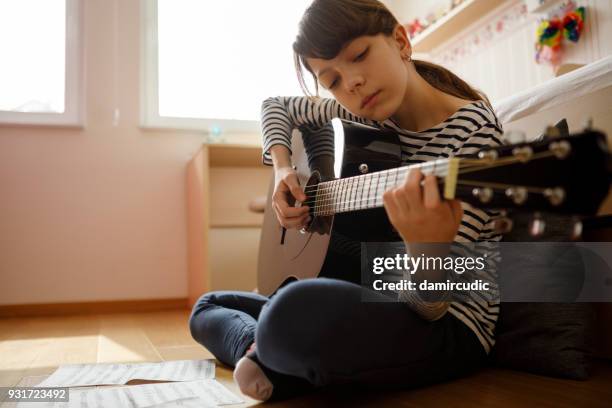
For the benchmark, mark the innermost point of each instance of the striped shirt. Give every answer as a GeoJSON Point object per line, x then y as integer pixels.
{"type": "Point", "coordinates": [465, 132]}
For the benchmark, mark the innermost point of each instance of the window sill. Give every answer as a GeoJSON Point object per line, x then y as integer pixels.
{"type": "Point", "coordinates": [40, 119]}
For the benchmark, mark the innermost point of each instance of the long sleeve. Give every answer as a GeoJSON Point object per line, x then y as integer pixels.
{"type": "Point", "coordinates": [282, 114]}
{"type": "Point", "coordinates": [476, 224]}
{"type": "Point", "coordinates": [475, 128]}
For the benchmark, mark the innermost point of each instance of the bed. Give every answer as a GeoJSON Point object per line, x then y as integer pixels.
{"type": "Point", "coordinates": [580, 96]}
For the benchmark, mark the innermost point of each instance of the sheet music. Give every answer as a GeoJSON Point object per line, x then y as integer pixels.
{"type": "Point", "coordinates": [74, 375]}
{"type": "Point", "coordinates": [191, 394]}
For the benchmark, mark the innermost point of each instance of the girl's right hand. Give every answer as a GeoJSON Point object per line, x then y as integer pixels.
{"type": "Point", "coordinates": [286, 191]}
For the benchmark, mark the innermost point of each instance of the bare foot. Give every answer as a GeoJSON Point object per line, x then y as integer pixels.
{"type": "Point", "coordinates": [251, 380]}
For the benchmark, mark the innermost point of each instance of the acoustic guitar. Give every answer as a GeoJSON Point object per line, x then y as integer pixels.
{"type": "Point", "coordinates": [568, 175]}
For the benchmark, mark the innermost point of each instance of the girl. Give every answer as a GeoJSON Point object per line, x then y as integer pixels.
{"type": "Point", "coordinates": [317, 332]}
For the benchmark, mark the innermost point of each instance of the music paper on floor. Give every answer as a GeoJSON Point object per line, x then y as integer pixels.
{"type": "Point", "coordinates": [76, 375]}
{"type": "Point", "coordinates": [189, 394]}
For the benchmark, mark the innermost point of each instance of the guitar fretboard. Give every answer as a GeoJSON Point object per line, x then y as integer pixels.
{"type": "Point", "coordinates": [366, 191]}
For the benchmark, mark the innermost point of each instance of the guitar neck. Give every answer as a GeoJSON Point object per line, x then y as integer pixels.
{"type": "Point", "coordinates": [366, 191]}
{"type": "Point", "coordinates": [545, 175]}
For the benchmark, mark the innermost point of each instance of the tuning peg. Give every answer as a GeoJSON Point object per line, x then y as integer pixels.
{"type": "Point", "coordinates": [537, 225]}
{"type": "Point", "coordinates": [515, 136]}
{"type": "Point", "coordinates": [555, 195]}
{"type": "Point", "coordinates": [561, 149]}
{"type": "Point", "coordinates": [577, 230]}
{"type": "Point", "coordinates": [523, 153]}
{"type": "Point", "coordinates": [484, 194]}
{"type": "Point", "coordinates": [517, 194]}
{"type": "Point", "coordinates": [588, 124]}
{"type": "Point", "coordinates": [489, 155]}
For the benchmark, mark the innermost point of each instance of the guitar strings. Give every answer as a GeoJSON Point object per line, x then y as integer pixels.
{"type": "Point", "coordinates": [328, 197]}
{"type": "Point", "coordinates": [377, 176]}
{"type": "Point", "coordinates": [466, 169]}
{"type": "Point", "coordinates": [469, 164]}
{"type": "Point", "coordinates": [434, 163]}
{"type": "Point", "coordinates": [500, 186]}
{"type": "Point", "coordinates": [355, 181]}
{"type": "Point", "coordinates": [509, 160]}
{"type": "Point", "coordinates": [376, 201]}
{"type": "Point", "coordinates": [328, 193]}
{"type": "Point", "coordinates": [329, 202]}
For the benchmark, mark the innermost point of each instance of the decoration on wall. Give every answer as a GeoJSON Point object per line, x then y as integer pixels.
{"type": "Point", "coordinates": [548, 46]}
{"type": "Point", "coordinates": [568, 23]}
{"type": "Point", "coordinates": [419, 24]}
{"type": "Point", "coordinates": [414, 28]}
{"type": "Point", "coordinates": [507, 21]}
{"type": "Point", "coordinates": [573, 23]}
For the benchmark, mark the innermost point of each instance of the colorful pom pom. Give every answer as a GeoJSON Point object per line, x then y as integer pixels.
{"type": "Point", "coordinates": [573, 23]}
{"type": "Point", "coordinates": [550, 34]}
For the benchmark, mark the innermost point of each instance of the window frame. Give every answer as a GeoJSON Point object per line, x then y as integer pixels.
{"type": "Point", "coordinates": [149, 91]}
{"type": "Point", "coordinates": [73, 87]}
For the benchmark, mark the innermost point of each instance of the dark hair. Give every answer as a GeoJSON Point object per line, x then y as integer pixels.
{"type": "Point", "coordinates": [329, 25]}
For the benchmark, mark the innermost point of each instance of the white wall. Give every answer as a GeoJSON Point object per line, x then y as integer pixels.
{"type": "Point", "coordinates": [96, 213]}
{"type": "Point", "coordinates": [407, 10]}
{"type": "Point", "coordinates": [505, 64]}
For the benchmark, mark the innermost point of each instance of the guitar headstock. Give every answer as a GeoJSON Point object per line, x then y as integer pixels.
{"type": "Point", "coordinates": [569, 175]}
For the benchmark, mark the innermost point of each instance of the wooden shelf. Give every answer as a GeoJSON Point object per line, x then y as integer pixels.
{"type": "Point", "coordinates": [223, 233]}
{"type": "Point", "coordinates": [455, 21]}
{"type": "Point", "coordinates": [228, 155]}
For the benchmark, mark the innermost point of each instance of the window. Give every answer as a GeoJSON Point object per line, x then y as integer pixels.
{"type": "Point", "coordinates": [40, 70]}
{"type": "Point", "coordinates": [210, 64]}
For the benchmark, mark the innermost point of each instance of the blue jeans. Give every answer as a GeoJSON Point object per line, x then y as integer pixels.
{"type": "Point", "coordinates": [321, 330]}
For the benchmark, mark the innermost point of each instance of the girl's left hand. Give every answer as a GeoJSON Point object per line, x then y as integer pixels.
{"type": "Point", "coordinates": [419, 214]}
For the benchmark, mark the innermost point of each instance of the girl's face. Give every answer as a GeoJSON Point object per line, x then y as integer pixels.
{"type": "Point", "coordinates": [368, 77]}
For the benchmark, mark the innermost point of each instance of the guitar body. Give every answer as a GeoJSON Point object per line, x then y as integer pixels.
{"type": "Point", "coordinates": [328, 248]}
